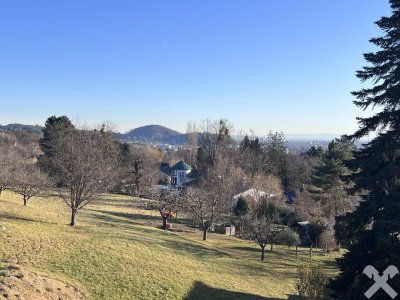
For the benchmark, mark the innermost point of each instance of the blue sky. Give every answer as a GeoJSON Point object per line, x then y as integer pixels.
{"type": "Point", "coordinates": [263, 65]}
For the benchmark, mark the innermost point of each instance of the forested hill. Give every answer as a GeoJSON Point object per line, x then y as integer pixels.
{"type": "Point", "coordinates": [21, 127]}
{"type": "Point", "coordinates": [154, 134]}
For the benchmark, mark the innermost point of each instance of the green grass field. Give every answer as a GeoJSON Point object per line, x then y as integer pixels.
{"type": "Point", "coordinates": [115, 252]}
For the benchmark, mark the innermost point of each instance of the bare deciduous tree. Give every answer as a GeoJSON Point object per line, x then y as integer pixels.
{"type": "Point", "coordinates": [307, 208]}
{"type": "Point", "coordinates": [212, 199]}
{"type": "Point", "coordinates": [6, 161]}
{"type": "Point", "coordinates": [168, 204]}
{"type": "Point", "coordinates": [269, 184]}
{"type": "Point", "coordinates": [192, 134]}
{"type": "Point", "coordinates": [18, 168]}
{"type": "Point", "coordinates": [207, 208]}
{"type": "Point", "coordinates": [28, 181]}
{"type": "Point", "coordinates": [260, 226]}
{"type": "Point", "coordinates": [260, 229]}
{"type": "Point", "coordinates": [83, 168]}
{"type": "Point", "coordinates": [214, 136]}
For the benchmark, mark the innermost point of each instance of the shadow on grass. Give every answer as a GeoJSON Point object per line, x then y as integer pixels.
{"type": "Point", "coordinates": [203, 291]}
{"type": "Point", "coordinates": [130, 216]}
{"type": "Point", "coordinates": [330, 264]}
{"type": "Point", "coordinates": [12, 217]}
{"type": "Point", "coordinates": [133, 218]}
{"type": "Point", "coordinates": [193, 249]}
{"type": "Point", "coordinates": [249, 248]}
{"type": "Point", "coordinates": [170, 241]}
{"type": "Point", "coordinates": [123, 202]}
{"type": "Point", "coordinates": [111, 221]}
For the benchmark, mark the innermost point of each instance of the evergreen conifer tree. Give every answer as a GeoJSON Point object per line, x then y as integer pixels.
{"type": "Point", "coordinates": [375, 225]}
{"type": "Point", "coordinates": [328, 185]}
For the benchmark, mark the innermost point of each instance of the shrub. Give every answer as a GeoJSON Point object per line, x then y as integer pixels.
{"type": "Point", "coordinates": [287, 237]}
{"type": "Point", "coordinates": [241, 208]}
{"type": "Point", "coordinates": [310, 283]}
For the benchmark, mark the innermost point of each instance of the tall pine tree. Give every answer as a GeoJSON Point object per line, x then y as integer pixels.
{"type": "Point", "coordinates": [328, 186]}
{"type": "Point", "coordinates": [374, 228]}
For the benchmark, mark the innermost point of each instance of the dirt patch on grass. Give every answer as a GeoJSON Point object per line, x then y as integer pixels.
{"type": "Point", "coordinates": [16, 283]}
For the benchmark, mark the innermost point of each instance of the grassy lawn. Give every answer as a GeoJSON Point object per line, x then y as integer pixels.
{"type": "Point", "coordinates": [115, 252]}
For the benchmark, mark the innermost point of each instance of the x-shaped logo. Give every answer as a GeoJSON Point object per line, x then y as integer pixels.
{"type": "Point", "coordinates": [380, 281]}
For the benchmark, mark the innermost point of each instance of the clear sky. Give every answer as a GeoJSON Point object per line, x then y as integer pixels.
{"type": "Point", "coordinates": [262, 64]}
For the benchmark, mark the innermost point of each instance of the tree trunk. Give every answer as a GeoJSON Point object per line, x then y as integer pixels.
{"type": "Point", "coordinates": [262, 253]}
{"type": "Point", "coordinates": [310, 250]}
{"type": "Point", "coordinates": [272, 247]}
{"type": "Point", "coordinates": [296, 251]}
{"type": "Point", "coordinates": [25, 200]}
{"type": "Point", "coordinates": [164, 223]}
{"type": "Point", "coordinates": [205, 233]}
{"type": "Point", "coordinates": [73, 217]}
{"type": "Point", "coordinates": [137, 189]}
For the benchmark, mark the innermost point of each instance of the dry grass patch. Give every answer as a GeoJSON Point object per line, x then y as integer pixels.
{"type": "Point", "coordinates": [116, 252]}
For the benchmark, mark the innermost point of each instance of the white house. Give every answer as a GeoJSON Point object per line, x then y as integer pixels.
{"type": "Point", "coordinates": [179, 174]}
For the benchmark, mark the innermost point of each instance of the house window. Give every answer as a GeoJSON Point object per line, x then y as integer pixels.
{"type": "Point", "coordinates": [182, 177]}
{"type": "Point", "coordinates": [173, 180]}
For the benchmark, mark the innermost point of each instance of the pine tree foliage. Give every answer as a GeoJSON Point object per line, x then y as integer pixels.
{"type": "Point", "coordinates": [374, 228]}
{"type": "Point", "coordinates": [384, 72]}
{"type": "Point", "coordinates": [328, 185]}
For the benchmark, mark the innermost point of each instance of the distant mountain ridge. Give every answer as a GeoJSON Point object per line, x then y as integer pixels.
{"type": "Point", "coordinates": [21, 127]}
{"type": "Point", "coordinates": [154, 134]}
{"type": "Point", "coordinates": [157, 134]}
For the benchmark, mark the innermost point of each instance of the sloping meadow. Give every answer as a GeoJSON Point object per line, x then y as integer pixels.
{"type": "Point", "coordinates": [116, 252]}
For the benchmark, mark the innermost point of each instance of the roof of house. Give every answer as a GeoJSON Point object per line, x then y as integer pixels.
{"type": "Point", "coordinates": [253, 193]}
{"type": "Point", "coordinates": [181, 166]}
{"type": "Point", "coordinates": [165, 168]}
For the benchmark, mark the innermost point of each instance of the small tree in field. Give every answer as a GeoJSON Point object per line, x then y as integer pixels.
{"type": "Point", "coordinates": [310, 283]}
{"type": "Point", "coordinates": [261, 225]}
{"type": "Point", "coordinates": [28, 181]}
{"type": "Point", "coordinates": [287, 237]}
{"type": "Point", "coordinates": [167, 204]}
{"type": "Point", "coordinates": [205, 207]}
{"type": "Point", "coordinates": [261, 231]}
{"type": "Point", "coordinates": [212, 199]}
{"type": "Point", "coordinates": [82, 168]}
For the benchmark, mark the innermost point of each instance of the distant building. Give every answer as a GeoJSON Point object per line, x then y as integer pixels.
{"type": "Point", "coordinates": [252, 195]}
{"type": "Point", "coordinates": [179, 174]}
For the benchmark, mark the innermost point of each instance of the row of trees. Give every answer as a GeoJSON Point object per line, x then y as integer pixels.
{"type": "Point", "coordinates": [18, 168]}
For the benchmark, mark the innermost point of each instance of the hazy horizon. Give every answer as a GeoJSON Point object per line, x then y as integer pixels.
{"type": "Point", "coordinates": [237, 132]}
